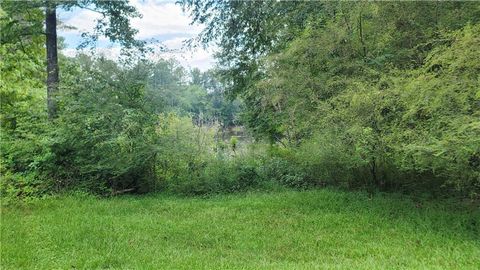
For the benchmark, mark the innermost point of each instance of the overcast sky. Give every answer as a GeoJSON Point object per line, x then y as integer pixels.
{"type": "Point", "coordinates": [162, 20]}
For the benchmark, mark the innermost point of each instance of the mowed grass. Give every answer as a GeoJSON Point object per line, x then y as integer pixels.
{"type": "Point", "coordinates": [321, 229]}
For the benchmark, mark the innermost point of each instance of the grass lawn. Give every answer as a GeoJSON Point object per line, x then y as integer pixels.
{"type": "Point", "coordinates": [321, 229]}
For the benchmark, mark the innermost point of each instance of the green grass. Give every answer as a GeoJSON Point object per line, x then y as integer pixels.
{"type": "Point", "coordinates": [321, 229]}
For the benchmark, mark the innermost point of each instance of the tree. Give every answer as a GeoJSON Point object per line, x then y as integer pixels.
{"type": "Point", "coordinates": [248, 30]}
{"type": "Point", "coordinates": [52, 58]}
{"type": "Point", "coordinates": [105, 137]}
{"type": "Point", "coordinates": [114, 24]}
{"type": "Point", "coordinates": [21, 64]}
{"type": "Point", "coordinates": [371, 88]}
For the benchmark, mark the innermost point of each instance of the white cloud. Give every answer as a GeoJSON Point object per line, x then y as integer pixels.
{"type": "Point", "coordinates": [174, 43]}
{"type": "Point", "coordinates": [161, 20]}
{"type": "Point", "coordinates": [200, 58]}
{"type": "Point", "coordinates": [69, 52]}
{"type": "Point", "coordinates": [112, 53]}
{"type": "Point", "coordinates": [84, 20]}
{"type": "Point", "coordinates": [158, 19]}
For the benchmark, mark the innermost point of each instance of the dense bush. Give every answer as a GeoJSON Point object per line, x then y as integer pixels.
{"type": "Point", "coordinates": [357, 95]}
{"type": "Point", "coordinates": [439, 129]}
{"type": "Point", "coordinates": [104, 134]}
{"type": "Point", "coordinates": [414, 129]}
{"type": "Point", "coordinates": [390, 133]}
{"type": "Point", "coordinates": [194, 160]}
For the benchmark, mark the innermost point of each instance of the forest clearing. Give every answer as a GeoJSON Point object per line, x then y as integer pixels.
{"type": "Point", "coordinates": [208, 134]}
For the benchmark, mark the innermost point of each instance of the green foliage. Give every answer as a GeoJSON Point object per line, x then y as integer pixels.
{"type": "Point", "coordinates": [423, 123]}
{"type": "Point", "coordinates": [199, 95]}
{"type": "Point", "coordinates": [379, 95]}
{"type": "Point", "coordinates": [105, 133]}
{"type": "Point", "coordinates": [184, 150]}
{"type": "Point", "coordinates": [192, 161]}
{"type": "Point", "coordinates": [284, 172]}
{"type": "Point", "coordinates": [383, 96]}
{"type": "Point", "coordinates": [23, 141]}
{"type": "Point", "coordinates": [247, 30]}
{"type": "Point", "coordinates": [439, 129]}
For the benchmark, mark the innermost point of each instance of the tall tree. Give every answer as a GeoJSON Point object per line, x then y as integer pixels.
{"type": "Point", "coordinates": [113, 24]}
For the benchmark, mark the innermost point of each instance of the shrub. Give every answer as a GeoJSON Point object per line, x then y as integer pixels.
{"type": "Point", "coordinates": [104, 136]}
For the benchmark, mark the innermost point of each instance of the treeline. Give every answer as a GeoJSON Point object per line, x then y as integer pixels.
{"type": "Point", "coordinates": [383, 96]}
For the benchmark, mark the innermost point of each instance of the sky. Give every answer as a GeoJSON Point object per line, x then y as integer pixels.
{"type": "Point", "coordinates": [162, 20]}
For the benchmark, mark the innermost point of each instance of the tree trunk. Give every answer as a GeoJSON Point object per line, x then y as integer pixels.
{"type": "Point", "coordinates": [52, 60]}
{"type": "Point", "coordinates": [362, 41]}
